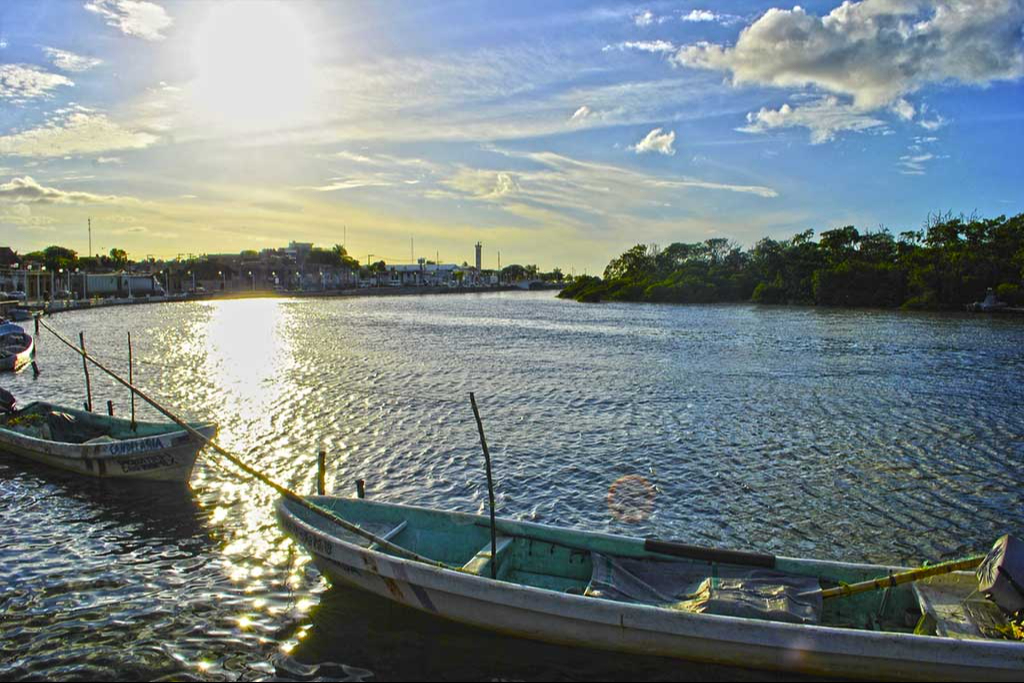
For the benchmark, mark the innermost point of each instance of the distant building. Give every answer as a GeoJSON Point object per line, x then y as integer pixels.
{"type": "Point", "coordinates": [120, 285]}
{"type": "Point", "coordinates": [479, 255]}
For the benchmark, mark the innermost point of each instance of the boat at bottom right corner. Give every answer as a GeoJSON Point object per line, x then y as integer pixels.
{"type": "Point", "coordinates": [649, 597]}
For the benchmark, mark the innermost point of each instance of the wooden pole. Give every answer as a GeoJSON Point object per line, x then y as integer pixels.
{"type": "Point", "coordinates": [110, 408]}
{"type": "Point", "coordinates": [901, 577]}
{"type": "Point", "coordinates": [361, 488]}
{"type": "Point", "coordinates": [321, 471]}
{"type": "Point", "coordinates": [131, 375]}
{"type": "Point", "coordinates": [382, 543]}
{"type": "Point", "coordinates": [85, 367]}
{"type": "Point", "coordinates": [490, 487]}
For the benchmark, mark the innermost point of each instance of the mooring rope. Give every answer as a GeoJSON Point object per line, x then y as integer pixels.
{"type": "Point", "coordinates": [251, 471]}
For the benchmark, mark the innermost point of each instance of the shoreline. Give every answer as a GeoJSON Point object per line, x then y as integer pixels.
{"type": "Point", "coordinates": [89, 304]}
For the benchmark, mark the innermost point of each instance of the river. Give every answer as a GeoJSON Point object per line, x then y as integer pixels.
{"type": "Point", "coordinates": [875, 436]}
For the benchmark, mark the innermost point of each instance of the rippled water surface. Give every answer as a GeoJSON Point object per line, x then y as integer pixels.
{"type": "Point", "coordinates": [866, 436]}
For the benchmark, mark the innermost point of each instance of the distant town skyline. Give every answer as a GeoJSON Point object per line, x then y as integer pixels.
{"type": "Point", "coordinates": [559, 135]}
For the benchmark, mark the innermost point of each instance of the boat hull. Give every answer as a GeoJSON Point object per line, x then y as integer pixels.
{"type": "Point", "coordinates": [164, 457]}
{"type": "Point", "coordinates": [575, 620]}
{"type": "Point", "coordinates": [15, 361]}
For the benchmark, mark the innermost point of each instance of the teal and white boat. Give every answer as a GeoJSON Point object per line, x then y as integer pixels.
{"type": "Point", "coordinates": [102, 446]}
{"type": "Point", "coordinates": [651, 597]}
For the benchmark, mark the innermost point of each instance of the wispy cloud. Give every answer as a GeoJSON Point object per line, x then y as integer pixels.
{"type": "Point", "coordinates": [20, 83]}
{"type": "Point", "coordinates": [824, 118]}
{"type": "Point", "coordinates": [655, 46]}
{"type": "Point", "coordinates": [706, 15]}
{"type": "Point", "coordinates": [137, 18]}
{"type": "Point", "coordinates": [21, 214]}
{"type": "Point", "coordinates": [74, 130]}
{"type": "Point", "coordinates": [581, 114]}
{"type": "Point", "coordinates": [27, 190]}
{"type": "Point", "coordinates": [69, 61]}
{"type": "Point", "coordinates": [561, 185]}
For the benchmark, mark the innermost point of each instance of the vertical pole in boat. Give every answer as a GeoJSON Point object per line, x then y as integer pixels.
{"type": "Point", "coordinates": [131, 376]}
{"type": "Point", "coordinates": [110, 408]}
{"type": "Point", "coordinates": [490, 487]}
{"type": "Point", "coordinates": [85, 366]}
{"type": "Point", "coordinates": [321, 471]}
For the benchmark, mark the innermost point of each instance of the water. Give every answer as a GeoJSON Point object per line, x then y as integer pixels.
{"type": "Point", "coordinates": [855, 435]}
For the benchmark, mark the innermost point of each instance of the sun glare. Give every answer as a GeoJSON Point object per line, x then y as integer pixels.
{"type": "Point", "coordinates": [255, 65]}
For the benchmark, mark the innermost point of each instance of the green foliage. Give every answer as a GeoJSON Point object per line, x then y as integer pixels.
{"type": "Point", "coordinates": [119, 257]}
{"type": "Point", "coordinates": [951, 262]}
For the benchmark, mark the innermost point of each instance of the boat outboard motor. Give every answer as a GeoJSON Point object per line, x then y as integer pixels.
{"type": "Point", "coordinates": [1001, 574]}
{"type": "Point", "coordinates": [7, 401]}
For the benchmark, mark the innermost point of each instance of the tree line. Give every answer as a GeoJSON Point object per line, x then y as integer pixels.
{"type": "Point", "coordinates": [950, 262]}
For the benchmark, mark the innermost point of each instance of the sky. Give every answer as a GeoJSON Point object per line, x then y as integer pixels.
{"type": "Point", "coordinates": [557, 134]}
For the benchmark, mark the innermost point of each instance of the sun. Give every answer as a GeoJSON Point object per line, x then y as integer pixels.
{"type": "Point", "coordinates": [255, 65]}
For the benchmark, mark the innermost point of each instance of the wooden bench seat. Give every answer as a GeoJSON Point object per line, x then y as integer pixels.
{"type": "Point", "coordinates": [480, 564]}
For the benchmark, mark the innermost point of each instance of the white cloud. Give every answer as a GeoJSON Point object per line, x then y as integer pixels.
{"type": "Point", "coordinates": [933, 124]}
{"type": "Point", "coordinates": [21, 214]}
{"type": "Point", "coordinates": [645, 18]}
{"type": "Point", "coordinates": [135, 18]}
{"type": "Point", "coordinates": [706, 15]}
{"type": "Point", "coordinates": [69, 61]}
{"type": "Point", "coordinates": [74, 131]}
{"type": "Point", "coordinates": [563, 183]}
{"type": "Point", "coordinates": [109, 160]}
{"type": "Point", "coordinates": [642, 46]}
{"type": "Point", "coordinates": [914, 164]}
{"type": "Point", "coordinates": [656, 141]}
{"type": "Point", "coordinates": [27, 190]}
{"type": "Point", "coordinates": [20, 83]}
{"type": "Point", "coordinates": [484, 184]}
{"type": "Point", "coordinates": [824, 118]}
{"type": "Point", "coordinates": [875, 50]}
{"type": "Point", "coordinates": [903, 109]}
{"type": "Point", "coordinates": [581, 114]}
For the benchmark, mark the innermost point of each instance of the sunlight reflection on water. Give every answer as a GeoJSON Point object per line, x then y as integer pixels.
{"type": "Point", "coordinates": [868, 436]}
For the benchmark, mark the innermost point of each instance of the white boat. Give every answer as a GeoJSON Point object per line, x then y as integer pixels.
{"type": "Point", "coordinates": [101, 446]}
{"type": "Point", "coordinates": [17, 348]}
{"type": "Point", "coordinates": [592, 590]}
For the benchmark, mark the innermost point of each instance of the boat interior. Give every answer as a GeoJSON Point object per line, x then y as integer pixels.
{"type": "Point", "coordinates": [13, 340]}
{"type": "Point", "coordinates": [66, 425]}
{"type": "Point", "coordinates": [620, 568]}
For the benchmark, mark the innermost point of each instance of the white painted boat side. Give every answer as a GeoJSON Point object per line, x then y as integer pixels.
{"type": "Point", "coordinates": [164, 457]}
{"type": "Point", "coordinates": [567, 619]}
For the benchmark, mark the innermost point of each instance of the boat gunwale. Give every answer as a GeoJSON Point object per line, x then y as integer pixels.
{"type": "Point", "coordinates": [73, 450]}
{"type": "Point", "coordinates": [824, 634]}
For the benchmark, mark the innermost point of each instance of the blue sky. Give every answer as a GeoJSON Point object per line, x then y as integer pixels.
{"type": "Point", "coordinates": [556, 133]}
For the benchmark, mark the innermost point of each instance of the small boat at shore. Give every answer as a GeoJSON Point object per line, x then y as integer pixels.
{"type": "Point", "coordinates": [102, 446]}
{"type": "Point", "coordinates": [17, 348]}
{"type": "Point", "coordinates": [662, 598]}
